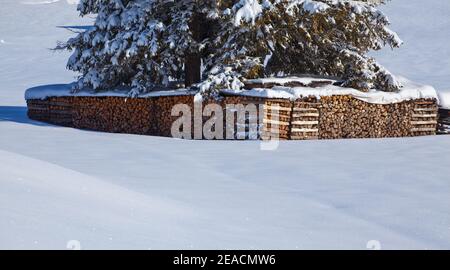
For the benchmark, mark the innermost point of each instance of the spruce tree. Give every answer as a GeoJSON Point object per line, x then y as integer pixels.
{"type": "Point", "coordinates": [147, 44]}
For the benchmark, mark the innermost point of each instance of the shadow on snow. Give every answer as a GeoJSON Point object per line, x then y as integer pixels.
{"type": "Point", "coordinates": [18, 114]}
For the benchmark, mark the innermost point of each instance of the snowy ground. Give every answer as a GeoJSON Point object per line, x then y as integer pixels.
{"type": "Point", "coordinates": [424, 27]}
{"type": "Point", "coordinates": [125, 191]}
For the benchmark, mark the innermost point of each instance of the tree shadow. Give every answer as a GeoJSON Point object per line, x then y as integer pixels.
{"type": "Point", "coordinates": [76, 27]}
{"type": "Point", "coordinates": [18, 114]}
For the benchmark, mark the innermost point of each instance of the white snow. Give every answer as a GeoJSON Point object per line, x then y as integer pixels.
{"type": "Point", "coordinates": [61, 184]}
{"type": "Point", "coordinates": [29, 32]}
{"type": "Point", "coordinates": [44, 2]}
{"type": "Point", "coordinates": [409, 91]}
{"type": "Point", "coordinates": [63, 90]}
{"type": "Point", "coordinates": [138, 192]}
{"type": "Point", "coordinates": [313, 6]}
{"type": "Point", "coordinates": [249, 11]}
{"type": "Point", "coordinates": [444, 97]}
{"type": "Point", "coordinates": [424, 27]}
{"type": "Point", "coordinates": [283, 80]}
{"type": "Point", "coordinates": [48, 199]}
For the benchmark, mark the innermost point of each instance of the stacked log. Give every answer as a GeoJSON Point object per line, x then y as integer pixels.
{"type": "Point", "coordinates": [444, 121]}
{"type": "Point", "coordinates": [55, 110]}
{"type": "Point", "coordinates": [424, 118]}
{"type": "Point", "coordinates": [277, 119]}
{"type": "Point", "coordinates": [348, 117]}
{"type": "Point", "coordinates": [305, 119]}
{"type": "Point", "coordinates": [329, 117]}
{"type": "Point", "coordinates": [112, 114]}
{"type": "Point", "coordinates": [160, 118]}
{"type": "Point", "coordinates": [251, 124]}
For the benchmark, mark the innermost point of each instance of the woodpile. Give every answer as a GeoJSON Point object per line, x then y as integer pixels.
{"type": "Point", "coordinates": [444, 121]}
{"type": "Point", "coordinates": [160, 110]}
{"type": "Point", "coordinates": [53, 110]}
{"type": "Point", "coordinates": [112, 114]}
{"type": "Point", "coordinates": [277, 119]}
{"type": "Point", "coordinates": [250, 126]}
{"type": "Point", "coordinates": [348, 117]}
{"type": "Point", "coordinates": [305, 119]}
{"type": "Point", "coordinates": [424, 118]}
{"type": "Point", "coordinates": [330, 117]}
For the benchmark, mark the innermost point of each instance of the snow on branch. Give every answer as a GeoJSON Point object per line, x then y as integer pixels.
{"type": "Point", "coordinates": [144, 44]}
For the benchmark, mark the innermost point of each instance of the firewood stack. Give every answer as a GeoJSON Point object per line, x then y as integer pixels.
{"type": "Point", "coordinates": [251, 124]}
{"type": "Point", "coordinates": [160, 109]}
{"type": "Point", "coordinates": [53, 110]}
{"type": "Point", "coordinates": [112, 114]}
{"type": "Point", "coordinates": [347, 117]}
{"type": "Point", "coordinates": [444, 121]}
{"type": "Point", "coordinates": [424, 118]}
{"type": "Point", "coordinates": [305, 119]}
{"type": "Point", "coordinates": [277, 119]}
{"type": "Point", "coordinates": [330, 117]}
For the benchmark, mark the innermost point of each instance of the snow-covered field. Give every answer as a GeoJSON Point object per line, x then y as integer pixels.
{"type": "Point", "coordinates": [125, 191]}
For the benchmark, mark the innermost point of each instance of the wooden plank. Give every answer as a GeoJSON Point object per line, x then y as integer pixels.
{"type": "Point", "coordinates": [305, 109]}
{"type": "Point", "coordinates": [280, 123]}
{"type": "Point", "coordinates": [306, 115]}
{"type": "Point", "coordinates": [280, 108]}
{"type": "Point", "coordinates": [423, 122]}
{"type": "Point", "coordinates": [305, 122]}
{"type": "Point", "coordinates": [305, 130]}
{"type": "Point", "coordinates": [425, 115]}
{"type": "Point", "coordinates": [425, 109]}
{"type": "Point", "coordinates": [424, 102]}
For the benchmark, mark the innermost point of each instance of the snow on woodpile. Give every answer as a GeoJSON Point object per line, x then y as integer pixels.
{"type": "Point", "coordinates": [409, 91]}
{"type": "Point", "coordinates": [444, 99]}
{"type": "Point", "coordinates": [65, 90]}
{"type": "Point", "coordinates": [284, 88]}
{"type": "Point", "coordinates": [284, 81]}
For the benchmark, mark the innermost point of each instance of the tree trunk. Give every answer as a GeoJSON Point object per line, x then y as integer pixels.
{"type": "Point", "coordinates": [192, 72]}
{"type": "Point", "coordinates": [192, 65]}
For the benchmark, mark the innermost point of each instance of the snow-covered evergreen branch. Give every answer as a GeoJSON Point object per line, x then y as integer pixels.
{"type": "Point", "coordinates": [144, 43]}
